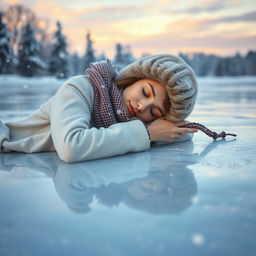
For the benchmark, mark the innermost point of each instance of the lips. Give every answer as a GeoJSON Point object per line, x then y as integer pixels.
{"type": "Point", "coordinates": [131, 109]}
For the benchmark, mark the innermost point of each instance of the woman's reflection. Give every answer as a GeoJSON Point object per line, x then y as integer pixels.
{"type": "Point", "coordinates": [157, 182]}
{"type": "Point", "coordinates": [160, 192]}
{"type": "Point", "coordinates": [152, 182]}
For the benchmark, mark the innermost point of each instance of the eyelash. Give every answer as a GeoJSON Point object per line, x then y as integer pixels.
{"type": "Point", "coordinates": [144, 93]}
{"type": "Point", "coordinates": [151, 111]}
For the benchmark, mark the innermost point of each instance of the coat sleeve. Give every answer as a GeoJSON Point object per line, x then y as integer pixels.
{"type": "Point", "coordinates": [75, 140]}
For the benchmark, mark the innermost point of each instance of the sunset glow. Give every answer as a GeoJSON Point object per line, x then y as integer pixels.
{"type": "Point", "coordinates": [162, 26]}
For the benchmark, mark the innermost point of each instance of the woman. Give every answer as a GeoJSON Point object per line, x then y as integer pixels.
{"type": "Point", "coordinates": [90, 117]}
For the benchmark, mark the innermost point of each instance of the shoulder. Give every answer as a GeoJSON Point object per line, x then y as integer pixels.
{"type": "Point", "coordinates": [82, 84]}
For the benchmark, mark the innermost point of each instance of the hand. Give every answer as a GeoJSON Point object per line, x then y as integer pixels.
{"type": "Point", "coordinates": [168, 131]}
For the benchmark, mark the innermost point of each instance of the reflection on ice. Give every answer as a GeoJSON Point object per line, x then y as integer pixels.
{"type": "Point", "coordinates": [157, 192]}
{"type": "Point", "coordinates": [155, 182]}
{"type": "Point", "coordinates": [140, 185]}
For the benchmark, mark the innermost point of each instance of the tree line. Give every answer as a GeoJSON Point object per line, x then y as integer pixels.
{"type": "Point", "coordinates": [212, 65]}
{"type": "Point", "coordinates": [27, 49]}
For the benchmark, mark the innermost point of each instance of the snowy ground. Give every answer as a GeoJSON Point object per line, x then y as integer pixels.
{"type": "Point", "coordinates": [19, 95]}
{"type": "Point", "coordinates": [192, 198]}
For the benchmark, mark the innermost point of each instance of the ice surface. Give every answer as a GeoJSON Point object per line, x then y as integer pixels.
{"type": "Point", "coordinates": [190, 198]}
{"type": "Point", "coordinates": [19, 96]}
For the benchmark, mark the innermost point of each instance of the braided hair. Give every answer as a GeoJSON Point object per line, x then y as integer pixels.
{"type": "Point", "coordinates": [207, 131]}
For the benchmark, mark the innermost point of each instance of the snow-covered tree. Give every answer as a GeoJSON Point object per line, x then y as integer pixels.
{"type": "Point", "coordinates": [128, 56]}
{"type": "Point", "coordinates": [89, 56]}
{"type": "Point", "coordinates": [123, 56]}
{"type": "Point", "coordinates": [59, 58]}
{"type": "Point", "coordinates": [7, 60]}
{"type": "Point", "coordinates": [102, 56]}
{"type": "Point", "coordinates": [236, 66]}
{"type": "Point", "coordinates": [203, 64]}
{"type": "Point", "coordinates": [75, 64]}
{"type": "Point", "coordinates": [185, 57]}
{"type": "Point", "coordinates": [119, 58]}
{"type": "Point", "coordinates": [30, 64]}
{"type": "Point", "coordinates": [250, 63]}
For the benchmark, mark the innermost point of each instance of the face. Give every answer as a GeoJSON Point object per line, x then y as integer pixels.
{"type": "Point", "coordinates": [146, 99]}
{"type": "Point", "coordinates": [146, 187]}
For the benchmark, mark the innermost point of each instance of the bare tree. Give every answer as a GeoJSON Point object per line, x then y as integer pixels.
{"type": "Point", "coordinates": [17, 17]}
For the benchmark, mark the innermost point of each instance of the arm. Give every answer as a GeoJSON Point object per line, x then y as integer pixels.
{"type": "Point", "coordinates": [75, 140]}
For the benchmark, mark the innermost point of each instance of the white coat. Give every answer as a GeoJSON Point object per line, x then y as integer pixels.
{"type": "Point", "coordinates": [64, 124]}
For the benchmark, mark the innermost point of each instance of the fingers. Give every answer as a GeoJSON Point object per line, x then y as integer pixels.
{"type": "Point", "coordinates": [186, 130]}
{"type": "Point", "coordinates": [181, 123]}
{"type": "Point", "coordinates": [178, 135]}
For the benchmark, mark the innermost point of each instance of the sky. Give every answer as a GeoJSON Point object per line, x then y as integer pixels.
{"type": "Point", "coordinates": [222, 27]}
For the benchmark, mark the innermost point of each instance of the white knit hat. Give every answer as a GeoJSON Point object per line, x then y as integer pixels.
{"type": "Point", "coordinates": [174, 73]}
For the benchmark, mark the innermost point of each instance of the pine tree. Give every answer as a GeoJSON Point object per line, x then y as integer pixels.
{"type": "Point", "coordinates": [186, 58]}
{"type": "Point", "coordinates": [89, 56]}
{"type": "Point", "coordinates": [60, 60]}
{"type": "Point", "coordinates": [128, 56]}
{"type": "Point", "coordinates": [123, 56]}
{"type": "Point", "coordinates": [7, 60]}
{"type": "Point", "coordinates": [75, 64]}
{"type": "Point", "coordinates": [250, 63]}
{"type": "Point", "coordinates": [236, 65]}
{"type": "Point", "coordinates": [119, 58]}
{"type": "Point", "coordinates": [102, 56]}
{"type": "Point", "coordinates": [30, 64]}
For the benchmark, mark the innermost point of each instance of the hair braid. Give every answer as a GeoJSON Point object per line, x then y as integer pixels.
{"type": "Point", "coordinates": [207, 131]}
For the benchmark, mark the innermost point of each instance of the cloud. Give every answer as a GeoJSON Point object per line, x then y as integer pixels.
{"type": "Point", "coordinates": [205, 25]}
{"type": "Point", "coordinates": [214, 44]}
{"type": "Point", "coordinates": [143, 33]}
{"type": "Point", "coordinates": [10, 2]}
{"type": "Point", "coordinates": [55, 12]}
{"type": "Point", "coordinates": [152, 26]}
{"type": "Point", "coordinates": [196, 7]}
{"type": "Point", "coordinates": [246, 17]}
{"type": "Point", "coordinates": [110, 14]}
{"type": "Point", "coordinates": [208, 34]}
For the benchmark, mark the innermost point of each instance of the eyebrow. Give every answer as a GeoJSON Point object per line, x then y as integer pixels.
{"type": "Point", "coordinates": [154, 93]}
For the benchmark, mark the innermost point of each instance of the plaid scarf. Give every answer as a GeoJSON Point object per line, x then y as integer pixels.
{"type": "Point", "coordinates": [108, 107]}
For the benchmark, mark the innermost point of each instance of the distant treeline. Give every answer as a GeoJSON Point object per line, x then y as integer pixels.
{"type": "Point", "coordinates": [28, 49]}
{"type": "Point", "coordinates": [212, 65]}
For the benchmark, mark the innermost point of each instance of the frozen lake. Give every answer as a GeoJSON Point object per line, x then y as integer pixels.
{"type": "Point", "coordinates": [192, 198]}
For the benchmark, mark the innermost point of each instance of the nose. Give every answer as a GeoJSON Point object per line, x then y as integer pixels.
{"type": "Point", "coordinates": [139, 106]}
{"type": "Point", "coordinates": [142, 105]}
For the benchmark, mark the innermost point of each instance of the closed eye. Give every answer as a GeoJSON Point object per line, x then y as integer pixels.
{"type": "Point", "coordinates": [144, 92]}
{"type": "Point", "coordinates": [152, 113]}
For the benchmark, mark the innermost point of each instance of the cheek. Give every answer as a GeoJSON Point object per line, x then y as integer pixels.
{"type": "Point", "coordinates": [134, 92]}
{"type": "Point", "coordinates": [128, 94]}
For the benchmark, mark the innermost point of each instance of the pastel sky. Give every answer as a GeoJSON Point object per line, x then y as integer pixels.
{"type": "Point", "coordinates": [163, 26]}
